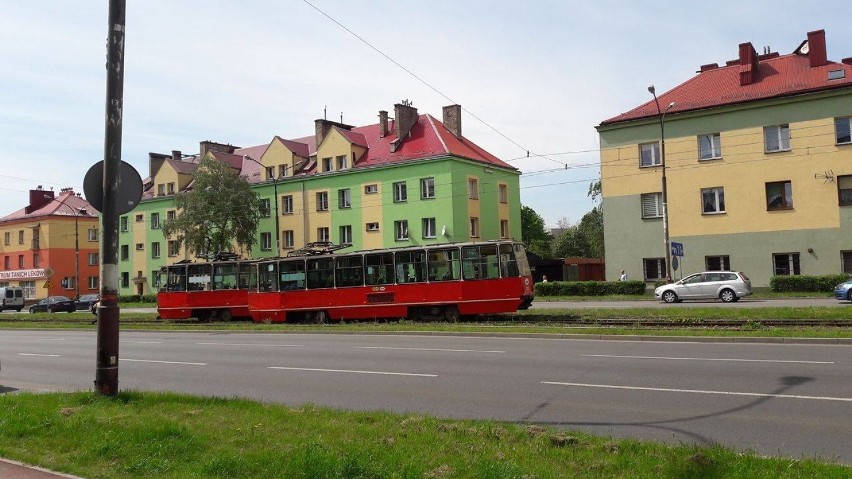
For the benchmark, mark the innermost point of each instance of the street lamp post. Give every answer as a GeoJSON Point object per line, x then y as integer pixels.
{"type": "Point", "coordinates": [662, 116]}
{"type": "Point", "coordinates": [77, 212]}
{"type": "Point", "coordinates": [275, 200]}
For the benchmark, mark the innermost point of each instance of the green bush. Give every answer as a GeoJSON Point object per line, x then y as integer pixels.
{"type": "Point", "coordinates": [589, 288]}
{"type": "Point", "coordinates": [801, 284]}
{"type": "Point", "coordinates": [136, 298]}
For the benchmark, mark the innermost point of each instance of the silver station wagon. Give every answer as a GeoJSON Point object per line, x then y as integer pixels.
{"type": "Point", "coordinates": [729, 286]}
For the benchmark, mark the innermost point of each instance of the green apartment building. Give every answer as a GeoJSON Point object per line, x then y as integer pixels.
{"type": "Point", "coordinates": [758, 158]}
{"type": "Point", "coordinates": [404, 181]}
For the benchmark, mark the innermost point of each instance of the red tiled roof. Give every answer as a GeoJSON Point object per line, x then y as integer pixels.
{"type": "Point", "coordinates": [352, 137]}
{"type": "Point", "coordinates": [66, 204]}
{"type": "Point", "coordinates": [777, 77]}
{"type": "Point", "coordinates": [300, 149]}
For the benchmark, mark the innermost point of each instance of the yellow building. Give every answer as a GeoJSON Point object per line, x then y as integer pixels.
{"type": "Point", "coordinates": [758, 168]}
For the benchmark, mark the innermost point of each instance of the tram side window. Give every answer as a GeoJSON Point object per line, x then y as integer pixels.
{"type": "Point", "coordinates": [349, 271]}
{"type": "Point", "coordinates": [225, 276]}
{"type": "Point", "coordinates": [480, 262]}
{"type": "Point", "coordinates": [411, 266]}
{"type": "Point", "coordinates": [508, 264]}
{"type": "Point", "coordinates": [292, 274]}
{"type": "Point", "coordinates": [378, 268]}
{"type": "Point", "coordinates": [267, 277]}
{"type": "Point", "coordinates": [247, 280]}
{"type": "Point", "coordinates": [199, 277]}
{"type": "Point", "coordinates": [521, 259]}
{"type": "Point", "coordinates": [444, 264]}
{"type": "Point", "coordinates": [176, 280]}
{"type": "Point", "coordinates": [320, 273]}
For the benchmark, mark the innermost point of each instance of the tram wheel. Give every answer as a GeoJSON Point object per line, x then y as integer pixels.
{"type": "Point", "coordinates": [320, 317]}
{"type": "Point", "coordinates": [414, 314]}
{"type": "Point", "coordinates": [225, 315]}
{"type": "Point", "coordinates": [451, 314]}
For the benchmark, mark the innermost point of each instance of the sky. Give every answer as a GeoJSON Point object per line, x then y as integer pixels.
{"type": "Point", "coordinates": [533, 76]}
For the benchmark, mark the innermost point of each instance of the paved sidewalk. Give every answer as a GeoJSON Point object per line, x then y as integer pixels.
{"type": "Point", "coordinates": [10, 469]}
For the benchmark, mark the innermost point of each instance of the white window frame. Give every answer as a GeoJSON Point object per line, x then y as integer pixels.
{"type": "Point", "coordinates": [845, 137]}
{"type": "Point", "coordinates": [270, 172]}
{"type": "Point", "coordinates": [123, 224]}
{"type": "Point", "coordinates": [346, 234]}
{"type": "Point", "coordinates": [660, 265]}
{"type": "Point", "coordinates": [323, 234]}
{"type": "Point", "coordinates": [344, 198]}
{"type": "Point", "coordinates": [503, 193]}
{"type": "Point", "coordinates": [342, 162]}
{"type": "Point", "coordinates": [287, 204]}
{"type": "Point", "coordinates": [646, 203]}
{"type": "Point", "coordinates": [289, 239]}
{"type": "Point", "coordinates": [93, 259]}
{"type": "Point", "coordinates": [474, 227]}
{"type": "Point", "coordinates": [400, 192]}
{"type": "Point", "coordinates": [155, 249]}
{"type": "Point", "coordinates": [472, 189]}
{"type": "Point", "coordinates": [371, 189]}
{"type": "Point", "coordinates": [504, 229]}
{"type": "Point", "coordinates": [155, 221]}
{"type": "Point", "coordinates": [94, 282]}
{"type": "Point", "coordinates": [724, 262]}
{"type": "Point", "coordinates": [327, 164]}
{"type": "Point", "coordinates": [265, 208]}
{"type": "Point", "coordinates": [93, 234]}
{"type": "Point", "coordinates": [170, 188]}
{"type": "Point", "coordinates": [793, 262]}
{"type": "Point", "coordinates": [714, 146]}
{"type": "Point", "coordinates": [779, 134]}
{"type": "Point", "coordinates": [140, 246]}
{"type": "Point", "coordinates": [652, 149]}
{"type": "Point", "coordinates": [322, 201]}
{"type": "Point", "coordinates": [266, 241]}
{"type": "Point", "coordinates": [717, 197]}
{"type": "Point", "coordinates": [429, 228]}
{"type": "Point", "coordinates": [283, 170]}
{"type": "Point", "coordinates": [427, 188]}
{"type": "Point", "coordinates": [400, 230]}
{"type": "Point", "coordinates": [372, 226]}
{"type": "Point", "coordinates": [173, 248]}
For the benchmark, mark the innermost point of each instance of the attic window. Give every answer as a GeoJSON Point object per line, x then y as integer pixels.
{"type": "Point", "coordinates": [836, 74]}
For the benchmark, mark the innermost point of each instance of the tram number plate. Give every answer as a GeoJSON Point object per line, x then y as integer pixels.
{"type": "Point", "coordinates": [373, 298]}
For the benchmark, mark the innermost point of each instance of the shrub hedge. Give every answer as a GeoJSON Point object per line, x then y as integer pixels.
{"type": "Point", "coordinates": [589, 288]}
{"type": "Point", "coordinates": [136, 298]}
{"type": "Point", "coordinates": [826, 284]}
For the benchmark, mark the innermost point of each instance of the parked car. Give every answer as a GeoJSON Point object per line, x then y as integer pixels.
{"type": "Point", "coordinates": [86, 301]}
{"type": "Point", "coordinates": [843, 291]}
{"type": "Point", "coordinates": [53, 304]}
{"type": "Point", "coordinates": [729, 286]}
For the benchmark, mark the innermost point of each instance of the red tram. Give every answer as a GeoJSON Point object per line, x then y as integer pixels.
{"type": "Point", "coordinates": [442, 281]}
{"type": "Point", "coordinates": [215, 290]}
{"type": "Point", "coordinates": [436, 281]}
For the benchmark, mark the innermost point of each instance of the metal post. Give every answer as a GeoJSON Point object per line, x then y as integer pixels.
{"type": "Point", "coordinates": [662, 116]}
{"type": "Point", "coordinates": [106, 373]}
{"type": "Point", "coordinates": [275, 192]}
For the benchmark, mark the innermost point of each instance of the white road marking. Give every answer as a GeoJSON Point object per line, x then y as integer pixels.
{"type": "Point", "coordinates": [707, 359]}
{"type": "Point", "coordinates": [42, 355]}
{"type": "Point", "coordinates": [700, 391]}
{"type": "Point", "coordinates": [141, 342]}
{"type": "Point", "coordinates": [354, 371]}
{"type": "Point", "coordinates": [432, 349]}
{"type": "Point", "coordinates": [254, 344]}
{"type": "Point", "coordinates": [162, 362]}
{"type": "Point", "coordinates": [53, 339]}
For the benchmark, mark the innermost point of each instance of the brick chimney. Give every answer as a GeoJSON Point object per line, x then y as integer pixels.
{"type": "Point", "coordinates": [817, 53]}
{"type": "Point", "coordinates": [207, 145]}
{"type": "Point", "coordinates": [748, 64]}
{"type": "Point", "coordinates": [155, 161]}
{"type": "Point", "coordinates": [452, 119]}
{"type": "Point", "coordinates": [176, 155]}
{"type": "Point", "coordinates": [383, 123]}
{"type": "Point", "coordinates": [322, 127]}
{"type": "Point", "coordinates": [38, 198]}
{"type": "Point", "coordinates": [405, 117]}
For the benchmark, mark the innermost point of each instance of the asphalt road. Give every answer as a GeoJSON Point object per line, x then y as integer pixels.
{"type": "Point", "coordinates": [777, 399]}
{"type": "Point", "coordinates": [743, 303]}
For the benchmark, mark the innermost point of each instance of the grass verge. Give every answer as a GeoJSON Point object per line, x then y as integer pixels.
{"type": "Point", "coordinates": [142, 435]}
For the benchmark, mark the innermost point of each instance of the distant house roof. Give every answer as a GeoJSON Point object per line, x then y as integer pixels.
{"type": "Point", "coordinates": [66, 204]}
{"type": "Point", "coordinates": [752, 77]}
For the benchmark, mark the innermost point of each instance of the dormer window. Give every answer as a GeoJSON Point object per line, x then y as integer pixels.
{"type": "Point", "coordinates": [270, 172]}
{"type": "Point", "coordinates": [836, 74]}
{"type": "Point", "coordinates": [326, 164]}
{"type": "Point", "coordinates": [341, 162]}
{"type": "Point", "coordinates": [282, 170]}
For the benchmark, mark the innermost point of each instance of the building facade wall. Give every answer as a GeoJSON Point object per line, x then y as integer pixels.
{"type": "Point", "coordinates": [747, 231]}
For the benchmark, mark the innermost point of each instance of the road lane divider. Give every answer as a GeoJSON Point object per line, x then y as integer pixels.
{"type": "Point", "coordinates": [354, 371]}
{"type": "Point", "coordinates": [707, 359]}
{"type": "Point", "coordinates": [700, 391]}
{"type": "Point", "coordinates": [161, 362]}
{"type": "Point", "coordinates": [431, 349]}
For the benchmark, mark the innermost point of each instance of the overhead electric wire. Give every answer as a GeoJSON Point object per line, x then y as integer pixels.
{"type": "Point", "coordinates": [421, 80]}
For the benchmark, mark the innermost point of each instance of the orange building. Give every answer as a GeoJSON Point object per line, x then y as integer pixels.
{"type": "Point", "coordinates": [50, 247]}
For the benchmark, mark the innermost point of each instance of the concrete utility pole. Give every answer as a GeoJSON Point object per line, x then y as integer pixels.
{"type": "Point", "coordinates": [106, 374]}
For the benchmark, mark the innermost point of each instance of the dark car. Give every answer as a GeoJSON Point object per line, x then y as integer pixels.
{"type": "Point", "coordinates": [53, 304]}
{"type": "Point", "coordinates": [86, 301]}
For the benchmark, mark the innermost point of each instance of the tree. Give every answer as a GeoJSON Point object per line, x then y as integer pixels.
{"type": "Point", "coordinates": [533, 234]}
{"type": "Point", "coordinates": [220, 210]}
{"type": "Point", "coordinates": [584, 239]}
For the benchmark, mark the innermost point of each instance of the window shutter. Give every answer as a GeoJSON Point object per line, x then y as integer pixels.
{"type": "Point", "coordinates": [651, 205]}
